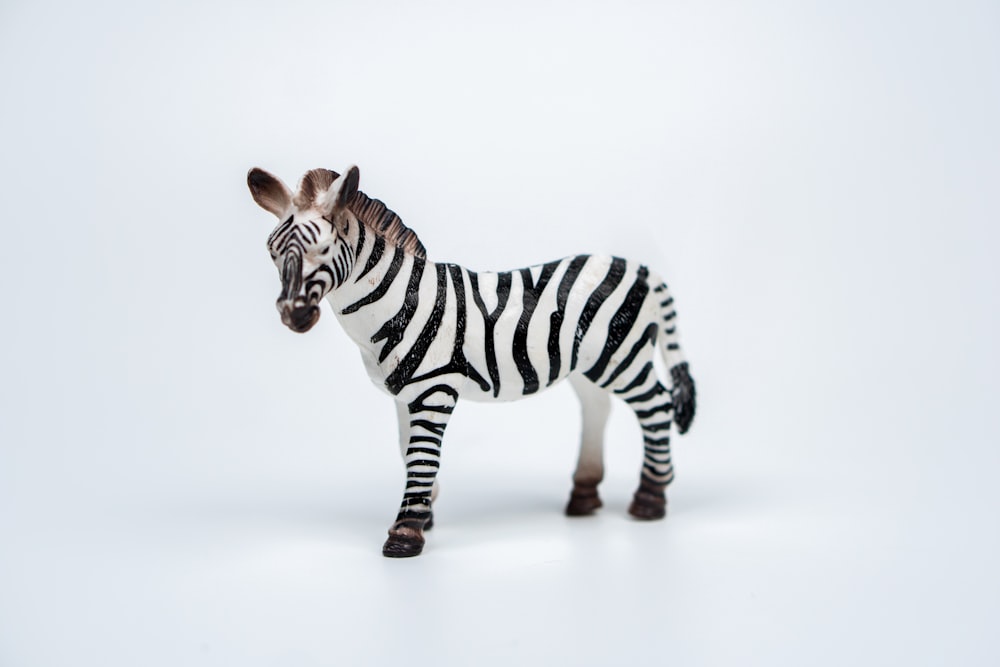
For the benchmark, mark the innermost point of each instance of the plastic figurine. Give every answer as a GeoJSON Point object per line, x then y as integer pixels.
{"type": "Point", "coordinates": [432, 332]}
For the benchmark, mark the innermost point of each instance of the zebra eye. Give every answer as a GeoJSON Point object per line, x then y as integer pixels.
{"type": "Point", "coordinates": [324, 250]}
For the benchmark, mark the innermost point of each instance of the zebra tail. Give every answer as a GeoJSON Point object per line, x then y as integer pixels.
{"type": "Point", "coordinates": [682, 393]}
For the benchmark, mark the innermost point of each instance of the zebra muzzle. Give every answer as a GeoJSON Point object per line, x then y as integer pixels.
{"type": "Point", "coordinates": [298, 315]}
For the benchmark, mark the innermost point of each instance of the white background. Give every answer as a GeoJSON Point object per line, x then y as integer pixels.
{"type": "Point", "coordinates": [183, 481]}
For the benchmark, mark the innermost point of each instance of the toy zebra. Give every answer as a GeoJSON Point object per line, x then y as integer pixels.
{"type": "Point", "coordinates": [432, 332]}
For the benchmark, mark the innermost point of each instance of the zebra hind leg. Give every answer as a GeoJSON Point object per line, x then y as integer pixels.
{"type": "Point", "coordinates": [652, 405]}
{"type": "Point", "coordinates": [596, 406]}
{"type": "Point", "coordinates": [428, 416]}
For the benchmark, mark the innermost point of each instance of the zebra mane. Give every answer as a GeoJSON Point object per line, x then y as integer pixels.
{"type": "Point", "coordinates": [371, 212]}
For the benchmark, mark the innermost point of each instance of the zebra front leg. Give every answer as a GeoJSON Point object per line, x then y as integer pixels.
{"type": "Point", "coordinates": [427, 417]}
{"type": "Point", "coordinates": [595, 407]}
{"type": "Point", "coordinates": [405, 425]}
{"type": "Point", "coordinates": [653, 407]}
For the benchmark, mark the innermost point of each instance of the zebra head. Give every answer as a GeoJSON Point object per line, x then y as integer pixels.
{"type": "Point", "coordinates": [310, 245]}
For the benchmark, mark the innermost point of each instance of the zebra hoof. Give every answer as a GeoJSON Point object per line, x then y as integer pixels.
{"type": "Point", "coordinates": [648, 506]}
{"type": "Point", "coordinates": [403, 543]}
{"type": "Point", "coordinates": [583, 502]}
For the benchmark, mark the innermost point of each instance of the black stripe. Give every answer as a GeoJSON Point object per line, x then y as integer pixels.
{"type": "Point", "coordinates": [648, 336]}
{"type": "Point", "coordinates": [339, 266]}
{"type": "Point", "coordinates": [621, 323]}
{"type": "Point", "coordinates": [659, 426]}
{"type": "Point", "coordinates": [532, 294]}
{"type": "Point", "coordinates": [444, 409]}
{"type": "Point", "coordinates": [278, 231]}
{"type": "Point", "coordinates": [658, 473]}
{"type": "Point", "coordinates": [639, 380]}
{"type": "Point", "coordinates": [425, 438]}
{"type": "Point", "coordinates": [433, 427]}
{"type": "Point", "coordinates": [348, 260]}
{"type": "Point", "coordinates": [312, 229]}
{"type": "Point", "coordinates": [423, 450]}
{"type": "Point", "coordinates": [430, 463]}
{"type": "Point", "coordinates": [361, 239]}
{"type": "Point", "coordinates": [458, 364]}
{"type": "Point", "coordinates": [556, 318]}
{"type": "Point", "coordinates": [490, 320]}
{"type": "Point", "coordinates": [377, 249]}
{"type": "Point", "coordinates": [615, 274]}
{"type": "Point", "coordinates": [663, 407]}
{"type": "Point", "coordinates": [418, 404]}
{"type": "Point", "coordinates": [408, 366]}
{"type": "Point", "coordinates": [394, 328]}
{"type": "Point", "coordinates": [383, 287]}
{"type": "Point", "coordinates": [646, 395]}
{"type": "Point", "coordinates": [458, 359]}
{"type": "Point", "coordinates": [313, 278]}
{"type": "Point", "coordinates": [291, 276]}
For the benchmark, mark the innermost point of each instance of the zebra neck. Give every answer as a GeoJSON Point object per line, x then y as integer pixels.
{"type": "Point", "coordinates": [374, 296]}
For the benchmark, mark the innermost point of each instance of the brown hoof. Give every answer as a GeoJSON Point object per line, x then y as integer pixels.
{"type": "Point", "coordinates": [401, 546]}
{"type": "Point", "coordinates": [405, 540]}
{"type": "Point", "coordinates": [648, 506]}
{"type": "Point", "coordinates": [583, 502]}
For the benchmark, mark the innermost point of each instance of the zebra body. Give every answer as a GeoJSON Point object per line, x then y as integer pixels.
{"type": "Point", "coordinates": [550, 310]}
{"type": "Point", "coordinates": [432, 332]}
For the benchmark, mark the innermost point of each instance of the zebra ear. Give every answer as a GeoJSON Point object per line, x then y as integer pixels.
{"type": "Point", "coordinates": [340, 193]}
{"type": "Point", "coordinates": [269, 192]}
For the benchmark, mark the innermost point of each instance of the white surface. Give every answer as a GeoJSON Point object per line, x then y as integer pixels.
{"type": "Point", "coordinates": [185, 482]}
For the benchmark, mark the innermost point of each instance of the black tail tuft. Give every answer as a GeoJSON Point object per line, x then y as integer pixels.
{"type": "Point", "coordinates": [683, 396]}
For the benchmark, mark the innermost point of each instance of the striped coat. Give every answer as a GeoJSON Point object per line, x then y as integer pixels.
{"type": "Point", "coordinates": [431, 332]}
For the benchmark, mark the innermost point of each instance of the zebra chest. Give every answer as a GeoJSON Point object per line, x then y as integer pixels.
{"type": "Point", "coordinates": [397, 357]}
{"type": "Point", "coordinates": [373, 368]}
